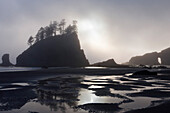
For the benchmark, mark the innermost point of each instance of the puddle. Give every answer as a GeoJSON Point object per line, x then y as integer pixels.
{"type": "Point", "coordinates": [21, 84]}
{"type": "Point", "coordinates": [87, 96]}
{"type": "Point", "coordinates": [62, 94]}
{"type": "Point", "coordinates": [36, 107]}
{"type": "Point", "coordinates": [6, 89]}
{"type": "Point", "coordinates": [94, 86]}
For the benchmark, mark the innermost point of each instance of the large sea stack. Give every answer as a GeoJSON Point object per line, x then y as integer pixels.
{"type": "Point", "coordinates": [54, 51]}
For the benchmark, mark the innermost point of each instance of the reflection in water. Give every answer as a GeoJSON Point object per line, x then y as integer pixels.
{"type": "Point", "coordinates": [81, 94]}
{"type": "Point", "coordinates": [21, 84]}
{"type": "Point", "coordinates": [87, 96]}
{"type": "Point", "coordinates": [15, 99]}
{"type": "Point", "coordinates": [8, 89]}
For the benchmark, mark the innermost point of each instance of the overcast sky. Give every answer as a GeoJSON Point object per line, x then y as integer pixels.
{"type": "Point", "coordinates": [116, 29]}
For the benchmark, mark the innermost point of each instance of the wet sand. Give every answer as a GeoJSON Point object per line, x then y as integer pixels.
{"type": "Point", "coordinates": [81, 90]}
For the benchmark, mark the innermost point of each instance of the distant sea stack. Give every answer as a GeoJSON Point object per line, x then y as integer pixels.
{"type": "Point", "coordinates": [146, 59]}
{"type": "Point", "coordinates": [152, 58]}
{"type": "Point", "coordinates": [108, 63]}
{"type": "Point", "coordinates": [55, 51]}
{"type": "Point", "coordinates": [165, 56]}
{"type": "Point", "coordinates": [6, 61]}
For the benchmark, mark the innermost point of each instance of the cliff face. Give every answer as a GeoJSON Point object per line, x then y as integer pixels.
{"type": "Point", "coordinates": [152, 58]}
{"type": "Point", "coordinates": [56, 51]}
{"type": "Point", "coordinates": [5, 60]}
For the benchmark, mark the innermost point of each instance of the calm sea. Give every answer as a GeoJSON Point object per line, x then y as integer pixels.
{"type": "Point", "coordinates": [7, 69]}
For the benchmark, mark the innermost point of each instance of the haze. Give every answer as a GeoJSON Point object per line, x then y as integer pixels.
{"type": "Point", "coordinates": [116, 29]}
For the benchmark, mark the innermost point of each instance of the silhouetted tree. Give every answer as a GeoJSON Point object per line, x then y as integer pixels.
{"type": "Point", "coordinates": [39, 35]}
{"type": "Point", "coordinates": [62, 26]}
{"type": "Point", "coordinates": [48, 31]}
{"type": "Point", "coordinates": [42, 33]}
{"type": "Point", "coordinates": [51, 30]}
{"type": "Point", "coordinates": [71, 28]}
{"type": "Point", "coordinates": [75, 26]}
{"type": "Point", "coordinates": [54, 26]}
{"type": "Point", "coordinates": [30, 41]}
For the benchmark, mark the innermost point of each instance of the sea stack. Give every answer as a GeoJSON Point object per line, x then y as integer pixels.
{"type": "Point", "coordinates": [55, 51]}
{"type": "Point", "coordinates": [6, 61]}
{"type": "Point", "coordinates": [152, 58]}
{"type": "Point", "coordinates": [107, 63]}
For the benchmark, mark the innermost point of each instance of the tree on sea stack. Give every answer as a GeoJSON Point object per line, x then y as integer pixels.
{"type": "Point", "coordinates": [52, 29]}
{"type": "Point", "coordinates": [71, 28]}
{"type": "Point", "coordinates": [62, 26]}
{"type": "Point", "coordinates": [30, 41]}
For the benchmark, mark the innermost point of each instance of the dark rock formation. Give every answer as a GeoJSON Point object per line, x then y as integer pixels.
{"type": "Point", "coordinates": [144, 73]}
{"type": "Point", "coordinates": [108, 63]}
{"type": "Point", "coordinates": [6, 61]}
{"type": "Point", "coordinates": [147, 59]}
{"type": "Point", "coordinates": [165, 56]}
{"type": "Point", "coordinates": [55, 51]}
{"type": "Point", "coordinates": [152, 58]}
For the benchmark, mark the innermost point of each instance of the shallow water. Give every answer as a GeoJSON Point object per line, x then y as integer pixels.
{"type": "Point", "coordinates": [87, 96]}
{"type": "Point", "coordinates": [65, 93]}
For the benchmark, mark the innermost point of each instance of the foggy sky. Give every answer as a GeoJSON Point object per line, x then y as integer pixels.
{"type": "Point", "coordinates": [120, 28]}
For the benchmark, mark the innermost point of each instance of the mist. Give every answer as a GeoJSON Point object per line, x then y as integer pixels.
{"type": "Point", "coordinates": [118, 29]}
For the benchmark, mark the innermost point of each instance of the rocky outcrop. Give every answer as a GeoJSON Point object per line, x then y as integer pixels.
{"type": "Point", "coordinates": [144, 73]}
{"type": "Point", "coordinates": [108, 63]}
{"type": "Point", "coordinates": [152, 58]}
{"type": "Point", "coordinates": [165, 56]}
{"type": "Point", "coordinates": [6, 61]}
{"type": "Point", "coordinates": [55, 51]}
{"type": "Point", "coordinates": [146, 59]}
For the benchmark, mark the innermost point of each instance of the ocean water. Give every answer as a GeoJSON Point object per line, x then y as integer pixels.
{"type": "Point", "coordinates": [9, 69]}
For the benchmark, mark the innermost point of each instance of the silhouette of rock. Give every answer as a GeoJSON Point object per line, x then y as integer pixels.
{"type": "Point", "coordinates": [165, 56]}
{"type": "Point", "coordinates": [108, 63]}
{"type": "Point", "coordinates": [146, 59]}
{"type": "Point", "coordinates": [6, 61]}
{"type": "Point", "coordinates": [55, 51]}
{"type": "Point", "coordinates": [144, 73]}
{"type": "Point", "coordinates": [152, 58]}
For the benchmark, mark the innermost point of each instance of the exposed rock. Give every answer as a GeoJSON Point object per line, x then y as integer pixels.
{"type": "Point", "coordinates": [108, 63]}
{"type": "Point", "coordinates": [6, 61]}
{"type": "Point", "coordinates": [147, 59]}
{"type": "Point", "coordinates": [152, 58]}
{"type": "Point", "coordinates": [165, 56]}
{"type": "Point", "coordinates": [55, 51]}
{"type": "Point", "coordinates": [144, 73]}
